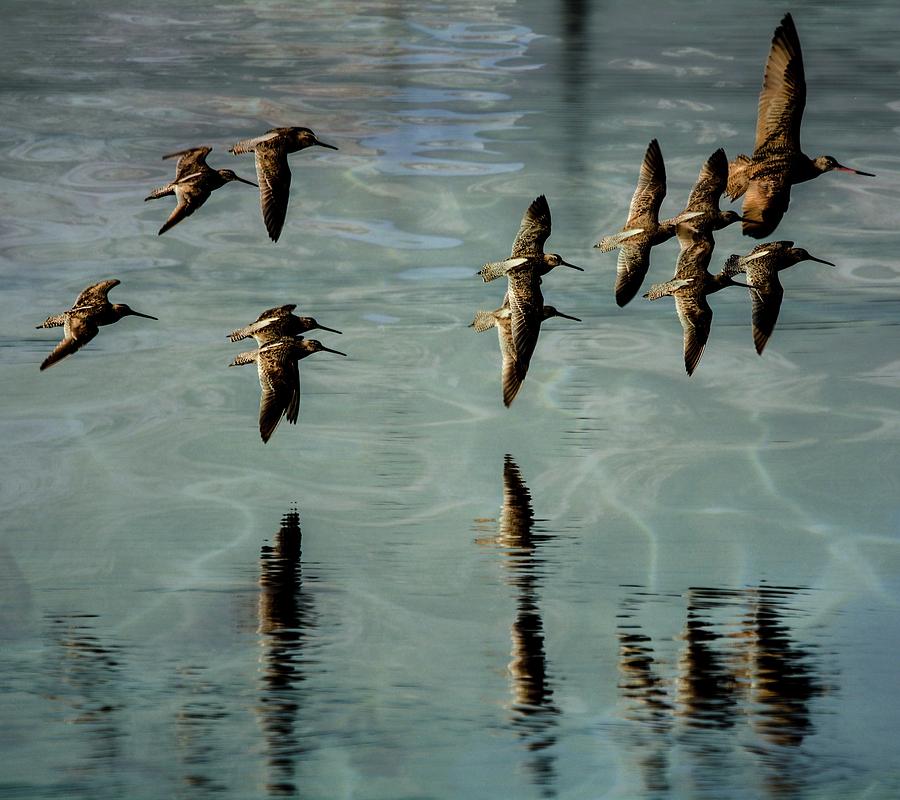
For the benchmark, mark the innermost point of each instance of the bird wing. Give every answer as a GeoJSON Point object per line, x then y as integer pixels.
{"type": "Point", "coordinates": [695, 316]}
{"type": "Point", "coordinates": [631, 269]}
{"type": "Point", "coordinates": [783, 95]}
{"type": "Point", "coordinates": [190, 161]}
{"type": "Point", "coordinates": [511, 376]}
{"type": "Point", "coordinates": [710, 184]}
{"type": "Point", "coordinates": [190, 197]}
{"type": "Point", "coordinates": [696, 253]}
{"type": "Point", "coordinates": [274, 177]}
{"type": "Point", "coordinates": [650, 191]}
{"type": "Point", "coordinates": [78, 330]}
{"type": "Point", "coordinates": [525, 304]}
{"type": "Point", "coordinates": [534, 229]}
{"type": "Point", "coordinates": [96, 294]}
{"type": "Point", "coordinates": [766, 293]}
{"type": "Point", "coordinates": [765, 202]}
{"type": "Point", "coordinates": [279, 380]}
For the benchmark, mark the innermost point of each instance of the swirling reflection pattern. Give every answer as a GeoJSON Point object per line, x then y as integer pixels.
{"type": "Point", "coordinates": [741, 687]}
{"type": "Point", "coordinates": [286, 617]}
{"type": "Point", "coordinates": [533, 712]}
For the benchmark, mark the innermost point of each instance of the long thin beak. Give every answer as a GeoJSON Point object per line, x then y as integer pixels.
{"type": "Point", "coordinates": [329, 350]}
{"type": "Point", "coordinates": [249, 183]}
{"type": "Point", "coordinates": [842, 168]}
{"type": "Point", "coordinates": [567, 264]}
{"type": "Point", "coordinates": [330, 330]}
{"type": "Point", "coordinates": [745, 285]}
{"type": "Point", "coordinates": [145, 316]}
{"type": "Point", "coordinates": [325, 144]}
{"type": "Point", "coordinates": [566, 316]}
{"type": "Point", "coordinates": [822, 260]}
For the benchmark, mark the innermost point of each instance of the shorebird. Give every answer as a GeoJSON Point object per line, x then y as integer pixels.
{"type": "Point", "coordinates": [279, 378]}
{"type": "Point", "coordinates": [766, 177]}
{"type": "Point", "coordinates": [702, 209]}
{"type": "Point", "coordinates": [82, 321]}
{"type": "Point", "coordinates": [523, 271]}
{"type": "Point", "coordinates": [642, 229]}
{"type": "Point", "coordinates": [194, 182]}
{"type": "Point", "coordinates": [277, 322]}
{"type": "Point", "coordinates": [515, 366]}
{"type": "Point", "coordinates": [273, 172]}
{"type": "Point", "coordinates": [762, 265]}
{"type": "Point", "coordinates": [690, 286]}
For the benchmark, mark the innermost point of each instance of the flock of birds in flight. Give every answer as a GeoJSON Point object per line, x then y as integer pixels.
{"type": "Point", "coordinates": [764, 179]}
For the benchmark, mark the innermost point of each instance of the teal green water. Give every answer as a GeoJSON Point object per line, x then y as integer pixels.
{"type": "Point", "coordinates": [631, 584]}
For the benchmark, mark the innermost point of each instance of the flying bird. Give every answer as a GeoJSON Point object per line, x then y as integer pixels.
{"type": "Point", "coordinates": [762, 265]}
{"type": "Point", "coordinates": [273, 172]}
{"type": "Point", "coordinates": [82, 321]}
{"type": "Point", "coordinates": [777, 163]}
{"type": "Point", "coordinates": [194, 182]}
{"type": "Point", "coordinates": [277, 322]}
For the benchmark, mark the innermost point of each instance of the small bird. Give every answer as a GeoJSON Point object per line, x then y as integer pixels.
{"type": "Point", "coordinates": [702, 209]}
{"type": "Point", "coordinates": [642, 230]}
{"type": "Point", "coordinates": [81, 322]}
{"type": "Point", "coordinates": [277, 322]}
{"type": "Point", "coordinates": [273, 172]}
{"type": "Point", "coordinates": [523, 271]}
{"type": "Point", "coordinates": [279, 378]}
{"type": "Point", "coordinates": [514, 368]}
{"type": "Point", "coordinates": [777, 162]}
{"type": "Point", "coordinates": [690, 286]}
{"type": "Point", "coordinates": [194, 183]}
{"type": "Point", "coordinates": [762, 265]}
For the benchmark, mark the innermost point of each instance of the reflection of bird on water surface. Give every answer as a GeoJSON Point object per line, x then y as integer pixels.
{"type": "Point", "coordinates": [285, 616]}
{"type": "Point", "coordinates": [533, 712]}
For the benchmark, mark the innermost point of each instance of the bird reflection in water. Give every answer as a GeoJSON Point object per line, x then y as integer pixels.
{"type": "Point", "coordinates": [87, 678]}
{"type": "Point", "coordinates": [741, 686]}
{"type": "Point", "coordinates": [285, 619]}
{"type": "Point", "coordinates": [533, 714]}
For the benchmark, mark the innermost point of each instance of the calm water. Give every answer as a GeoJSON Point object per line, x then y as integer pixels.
{"type": "Point", "coordinates": [632, 584]}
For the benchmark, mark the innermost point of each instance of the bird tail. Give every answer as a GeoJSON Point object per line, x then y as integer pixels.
{"type": "Point", "coordinates": [161, 191]}
{"type": "Point", "coordinates": [53, 322]}
{"type": "Point", "coordinates": [483, 321]}
{"type": "Point", "coordinates": [738, 177]}
{"type": "Point", "coordinates": [658, 290]}
{"type": "Point", "coordinates": [608, 243]}
{"type": "Point", "coordinates": [244, 358]}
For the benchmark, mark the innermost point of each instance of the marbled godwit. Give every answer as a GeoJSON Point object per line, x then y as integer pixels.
{"type": "Point", "coordinates": [82, 322]}
{"type": "Point", "coordinates": [515, 367]}
{"type": "Point", "coordinates": [762, 265]}
{"type": "Point", "coordinates": [690, 286]}
{"type": "Point", "coordinates": [279, 378]}
{"type": "Point", "coordinates": [277, 322]}
{"type": "Point", "coordinates": [523, 270]}
{"type": "Point", "coordinates": [194, 183]}
{"type": "Point", "coordinates": [273, 172]}
{"type": "Point", "coordinates": [642, 229]}
{"type": "Point", "coordinates": [777, 162]}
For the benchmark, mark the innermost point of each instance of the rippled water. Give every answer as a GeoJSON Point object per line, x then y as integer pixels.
{"type": "Point", "coordinates": [630, 584]}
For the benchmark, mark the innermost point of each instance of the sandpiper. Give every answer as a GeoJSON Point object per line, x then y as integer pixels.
{"type": "Point", "coordinates": [642, 229]}
{"type": "Point", "coordinates": [523, 270]}
{"type": "Point", "coordinates": [515, 366]}
{"type": "Point", "coordinates": [82, 322]}
{"type": "Point", "coordinates": [766, 177]}
{"type": "Point", "coordinates": [273, 172]}
{"type": "Point", "coordinates": [702, 210]}
{"type": "Point", "coordinates": [690, 286]}
{"type": "Point", "coordinates": [279, 378]}
{"type": "Point", "coordinates": [762, 265]}
{"type": "Point", "coordinates": [276, 322]}
{"type": "Point", "coordinates": [193, 184]}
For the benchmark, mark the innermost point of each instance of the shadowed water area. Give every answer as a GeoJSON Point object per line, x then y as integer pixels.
{"type": "Point", "coordinates": [630, 584]}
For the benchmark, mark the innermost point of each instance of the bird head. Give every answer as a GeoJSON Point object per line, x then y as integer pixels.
{"type": "Point", "coordinates": [228, 175]}
{"type": "Point", "coordinates": [556, 260]}
{"type": "Point", "coordinates": [306, 138]}
{"type": "Point", "coordinates": [799, 254]}
{"type": "Point", "coordinates": [123, 310]}
{"type": "Point", "coordinates": [828, 163]}
{"type": "Point", "coordinates": [315, 346]}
